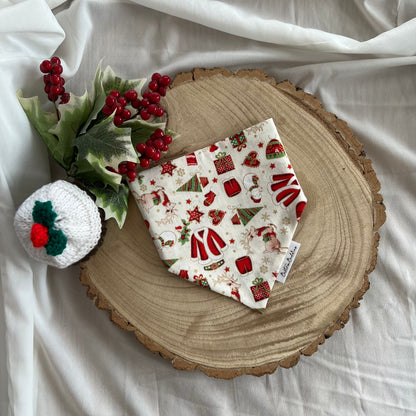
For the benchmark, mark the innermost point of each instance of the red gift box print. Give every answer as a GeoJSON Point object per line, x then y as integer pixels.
{"type": "Point", "coordinates": [260, 289]}
{"type": "Point", "coordinates": [238, 141]}
{"type": "Point", "coordinates": [224, 163]}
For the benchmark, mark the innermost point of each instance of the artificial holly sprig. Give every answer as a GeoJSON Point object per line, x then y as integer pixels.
{"type": "Point", "coordinates": [99, 137]}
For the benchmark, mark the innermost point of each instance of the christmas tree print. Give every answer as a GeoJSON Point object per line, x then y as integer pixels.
{"type": "Point", "coordinates": [169, 262]}
{"type": "Point", "coordinates": [244, 215]}
{"type": "Point", "coordinates": [193, 185]}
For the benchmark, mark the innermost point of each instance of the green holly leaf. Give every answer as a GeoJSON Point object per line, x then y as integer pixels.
{"type": "Point", "coordinates": [91, 170]}
{"type": "Point", "coordinates": [112, 82]}
{"type": "Point", "coordinates": [142, 130]}
{"type": "Point", "coordinates": [97, 97]}
{"type": "Point", "coordinates": [114, 203]}
{"type": "Point", "coordinates": [43, 121]}
{"type": "Point", "coordinates": [73, 116]}
{"type": "Point", "coordinates": [172, 133]}
{"type": "Point", "coordinates": [109, 144]}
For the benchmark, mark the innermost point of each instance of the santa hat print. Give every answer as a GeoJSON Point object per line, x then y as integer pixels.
{"type": "Point", "coordinates": [275, 149]}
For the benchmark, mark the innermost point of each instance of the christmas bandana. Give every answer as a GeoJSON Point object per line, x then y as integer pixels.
{"type": "Point", "coordinates": [223, 217]}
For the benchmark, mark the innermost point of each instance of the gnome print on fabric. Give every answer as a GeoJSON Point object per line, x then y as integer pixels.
{"type": "Point", "coordinates": [251, 184]}
{"type": "Point", "coordinates": [207, 247]}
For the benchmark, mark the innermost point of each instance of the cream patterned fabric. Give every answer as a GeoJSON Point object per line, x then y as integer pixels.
{"type": "Point", "coordinates": [224, 216]}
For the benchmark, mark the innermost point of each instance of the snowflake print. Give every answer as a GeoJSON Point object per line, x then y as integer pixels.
{"type": "Point", "coordinates": [179, 181]}
{"type": "Point", "coordinates": [265, 260]}
{"type": "Point", "coordinates": [286, 220]}
{"type": "Point", "coordinates": [181, 172]}
{"type": "Point", "coordinates": [143, 187]}
{"type": "Point", "coordinates": [283, 230]}
{"type": "Point", "coordinates": [265, 217]}
{"type": "Point", "coordinates": [264, 269]}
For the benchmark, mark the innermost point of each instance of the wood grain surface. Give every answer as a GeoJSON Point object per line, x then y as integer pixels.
{"type": "Point", "coordinates": [196, 328]}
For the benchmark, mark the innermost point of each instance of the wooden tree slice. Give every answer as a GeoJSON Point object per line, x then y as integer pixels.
{"type": "Point", "coordinates": [196, 328]}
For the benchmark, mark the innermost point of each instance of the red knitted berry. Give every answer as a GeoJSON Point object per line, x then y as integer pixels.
{"type": "Point", "coordinates": [39, 235]}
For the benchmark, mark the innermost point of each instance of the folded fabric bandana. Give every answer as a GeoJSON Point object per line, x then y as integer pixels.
{"type": "Point", "coordinates": [224, 216]}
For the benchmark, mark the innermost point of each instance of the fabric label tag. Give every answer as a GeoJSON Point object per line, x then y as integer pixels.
{"type": "Point", "coordinates": [288, 261]}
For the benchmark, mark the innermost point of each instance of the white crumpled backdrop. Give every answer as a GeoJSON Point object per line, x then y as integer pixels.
{"type": "Point", "coordinates": [59, 354]}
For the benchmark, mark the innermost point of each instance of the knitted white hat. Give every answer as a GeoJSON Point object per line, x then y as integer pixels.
{"type": "Point", "coordinates": [71, 224]}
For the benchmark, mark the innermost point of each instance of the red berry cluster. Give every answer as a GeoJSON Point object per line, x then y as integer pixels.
{"type": "Point", "coordinates": [117, 102]}
{"type": "Point", "coordinates": [157, 143]}
{"type": "Point", "coordinates": [150, 104]}
{"type": "Point", "coordinates": [54, 82]}
{"type": "Point", "coordinates": [128, 169]}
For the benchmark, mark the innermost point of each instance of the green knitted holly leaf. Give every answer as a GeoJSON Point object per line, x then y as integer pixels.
{"type": "Point", "coordinates": [43, 213]}
{"type": "Point", "coordinates": [114, 203]}
{"type": "Point", "coordinates": [56, 242]}
{"type": "Point", "coordinates": [112, 82]}
{"type": "Point", "coordinates": [106, 143]}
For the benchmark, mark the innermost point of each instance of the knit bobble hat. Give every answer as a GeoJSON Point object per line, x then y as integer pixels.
{"type": "Point", "coordinates": [59, 224]}
{"type": "Point", "coordinates": [274, 149]}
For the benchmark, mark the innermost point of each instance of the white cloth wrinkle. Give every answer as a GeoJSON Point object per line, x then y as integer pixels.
{"type": "Point", "coordinates": [104, 370]}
